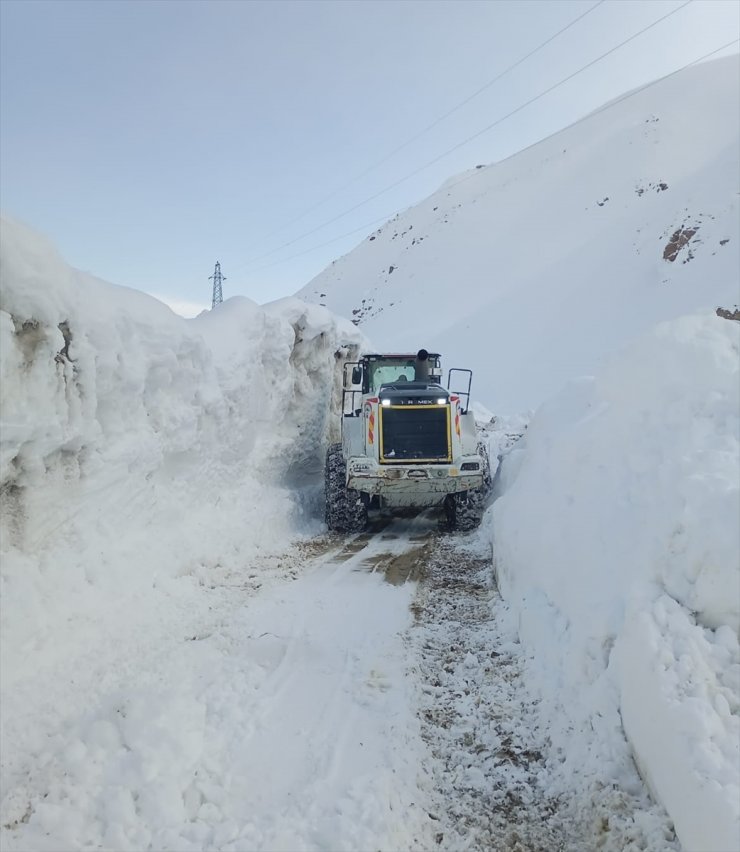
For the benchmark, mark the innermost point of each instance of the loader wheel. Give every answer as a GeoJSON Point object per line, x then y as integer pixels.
{"type": "Point", "coordinates": [346, 511]}
{"type": "Point", "coordinates": [465, 510]}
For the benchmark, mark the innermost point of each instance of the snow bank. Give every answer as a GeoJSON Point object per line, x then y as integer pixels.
{"type": "Point", "coordinates": [139, 452]}
{"type": "Point", "coordinates": [616, 537]}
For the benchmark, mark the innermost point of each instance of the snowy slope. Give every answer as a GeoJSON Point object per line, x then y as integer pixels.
{"type": "Point", "coordinates": [557, 255]}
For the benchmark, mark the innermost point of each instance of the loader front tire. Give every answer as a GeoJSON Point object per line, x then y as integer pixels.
{"type": "Point", "coordinates": [345, 509]}
{"type": "Point", "coordinates": [464, 511]}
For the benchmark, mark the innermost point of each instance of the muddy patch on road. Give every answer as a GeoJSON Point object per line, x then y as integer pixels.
{"type": "Point", "coordinates": [351, 549]}
{"type": "Point", "coordinates": [400, 568]}
{"type": "Point", "coordinates": [338, 547]}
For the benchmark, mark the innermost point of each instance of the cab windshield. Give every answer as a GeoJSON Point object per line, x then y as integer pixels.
{"type": "Point", "coordinates": [392, 371]}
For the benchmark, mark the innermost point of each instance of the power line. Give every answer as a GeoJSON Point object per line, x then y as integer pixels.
{"type": "Point", "coordinates": [386, 218]}
{"type": "Point", "coordinates": [655, 82]}
{"type": "Point", "coordinates": [543, 93]}
{"type": "Point", "coordinates": [471, 137]}
{"type": "Point", "coordinates": [439, 119]}
{"type": "Point", "coordinates": [467, 177]}
{"type": "Point", "coordinates": [483, 88]}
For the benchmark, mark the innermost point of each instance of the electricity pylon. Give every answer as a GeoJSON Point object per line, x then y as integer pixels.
{"type": "Point", "coordinates": [217, 278]}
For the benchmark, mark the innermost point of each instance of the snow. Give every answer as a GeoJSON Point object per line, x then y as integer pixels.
{"type": "Point", "coordinates": [141, 464]}
{"type": "Point", "coordinates": [476, 683]}
{"type": "Point", "coordinates": [679, 687]}
{"type": "Point", "coordinates": [278, 729]}
{"type": "Point", "coordinates": [532, 270]}
{"type": "Point", "coordinates": [187, 661]}
{"type": "Point", "coordinates": [616, 539]}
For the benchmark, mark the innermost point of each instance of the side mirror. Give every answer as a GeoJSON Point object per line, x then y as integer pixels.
{"type": "Point", "coordinates": [356, 375]}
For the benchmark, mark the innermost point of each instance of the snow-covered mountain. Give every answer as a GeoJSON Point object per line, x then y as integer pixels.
{"type": "Point", "coordinates": [565, 250]}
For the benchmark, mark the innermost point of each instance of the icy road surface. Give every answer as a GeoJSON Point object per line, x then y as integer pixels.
{"type": "Point", "coordinates": [333, 703]}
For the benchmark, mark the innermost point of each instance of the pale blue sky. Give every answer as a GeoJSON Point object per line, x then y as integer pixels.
{"type": "Point", "coordinates": [150, 138]}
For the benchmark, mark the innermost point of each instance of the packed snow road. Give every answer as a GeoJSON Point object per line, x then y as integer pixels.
{"type": "Point", "coordinates": [333, 704]}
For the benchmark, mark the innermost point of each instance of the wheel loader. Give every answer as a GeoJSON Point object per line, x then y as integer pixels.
{"type": "Point", "coordinates": [406, 441]}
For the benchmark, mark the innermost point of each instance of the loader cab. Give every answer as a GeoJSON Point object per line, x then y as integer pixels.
{"type": "Point", "coordinates": [380, 370]}
{"type": "Point", "coordinates": [366, 377]}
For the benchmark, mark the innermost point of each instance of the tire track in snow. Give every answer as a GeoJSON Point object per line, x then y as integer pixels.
{"type": "Point", "coordinates": [335, 723]}
{"type": "Point", "coordinates": [489, 757]}
{"type": "Point", "coordinates": [483, 764]}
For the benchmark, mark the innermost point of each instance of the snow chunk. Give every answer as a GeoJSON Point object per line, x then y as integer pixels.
{"type": "Point", "coordinates": [681, 710]}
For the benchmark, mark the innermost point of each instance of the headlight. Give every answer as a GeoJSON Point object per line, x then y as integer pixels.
{"type": "Point", "coordinates": [442, 401]}
{"type": "Point", "coordinates": [385, 402]}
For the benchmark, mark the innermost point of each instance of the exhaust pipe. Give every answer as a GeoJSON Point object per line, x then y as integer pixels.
{"type": "Point", "coordinates": [422, 366]}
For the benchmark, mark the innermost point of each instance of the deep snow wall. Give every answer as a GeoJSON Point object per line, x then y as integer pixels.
{"type": "Point", "coordinates": [138, 452]}
{"type": "Point", "coordinates": [616, 540]}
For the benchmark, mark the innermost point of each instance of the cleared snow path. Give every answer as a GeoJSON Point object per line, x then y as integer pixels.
{"type": "Point", "coordinates": [329, 704]}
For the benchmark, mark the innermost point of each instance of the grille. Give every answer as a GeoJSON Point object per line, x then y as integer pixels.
{"type": "Point", "coordinates": [415, 433]}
